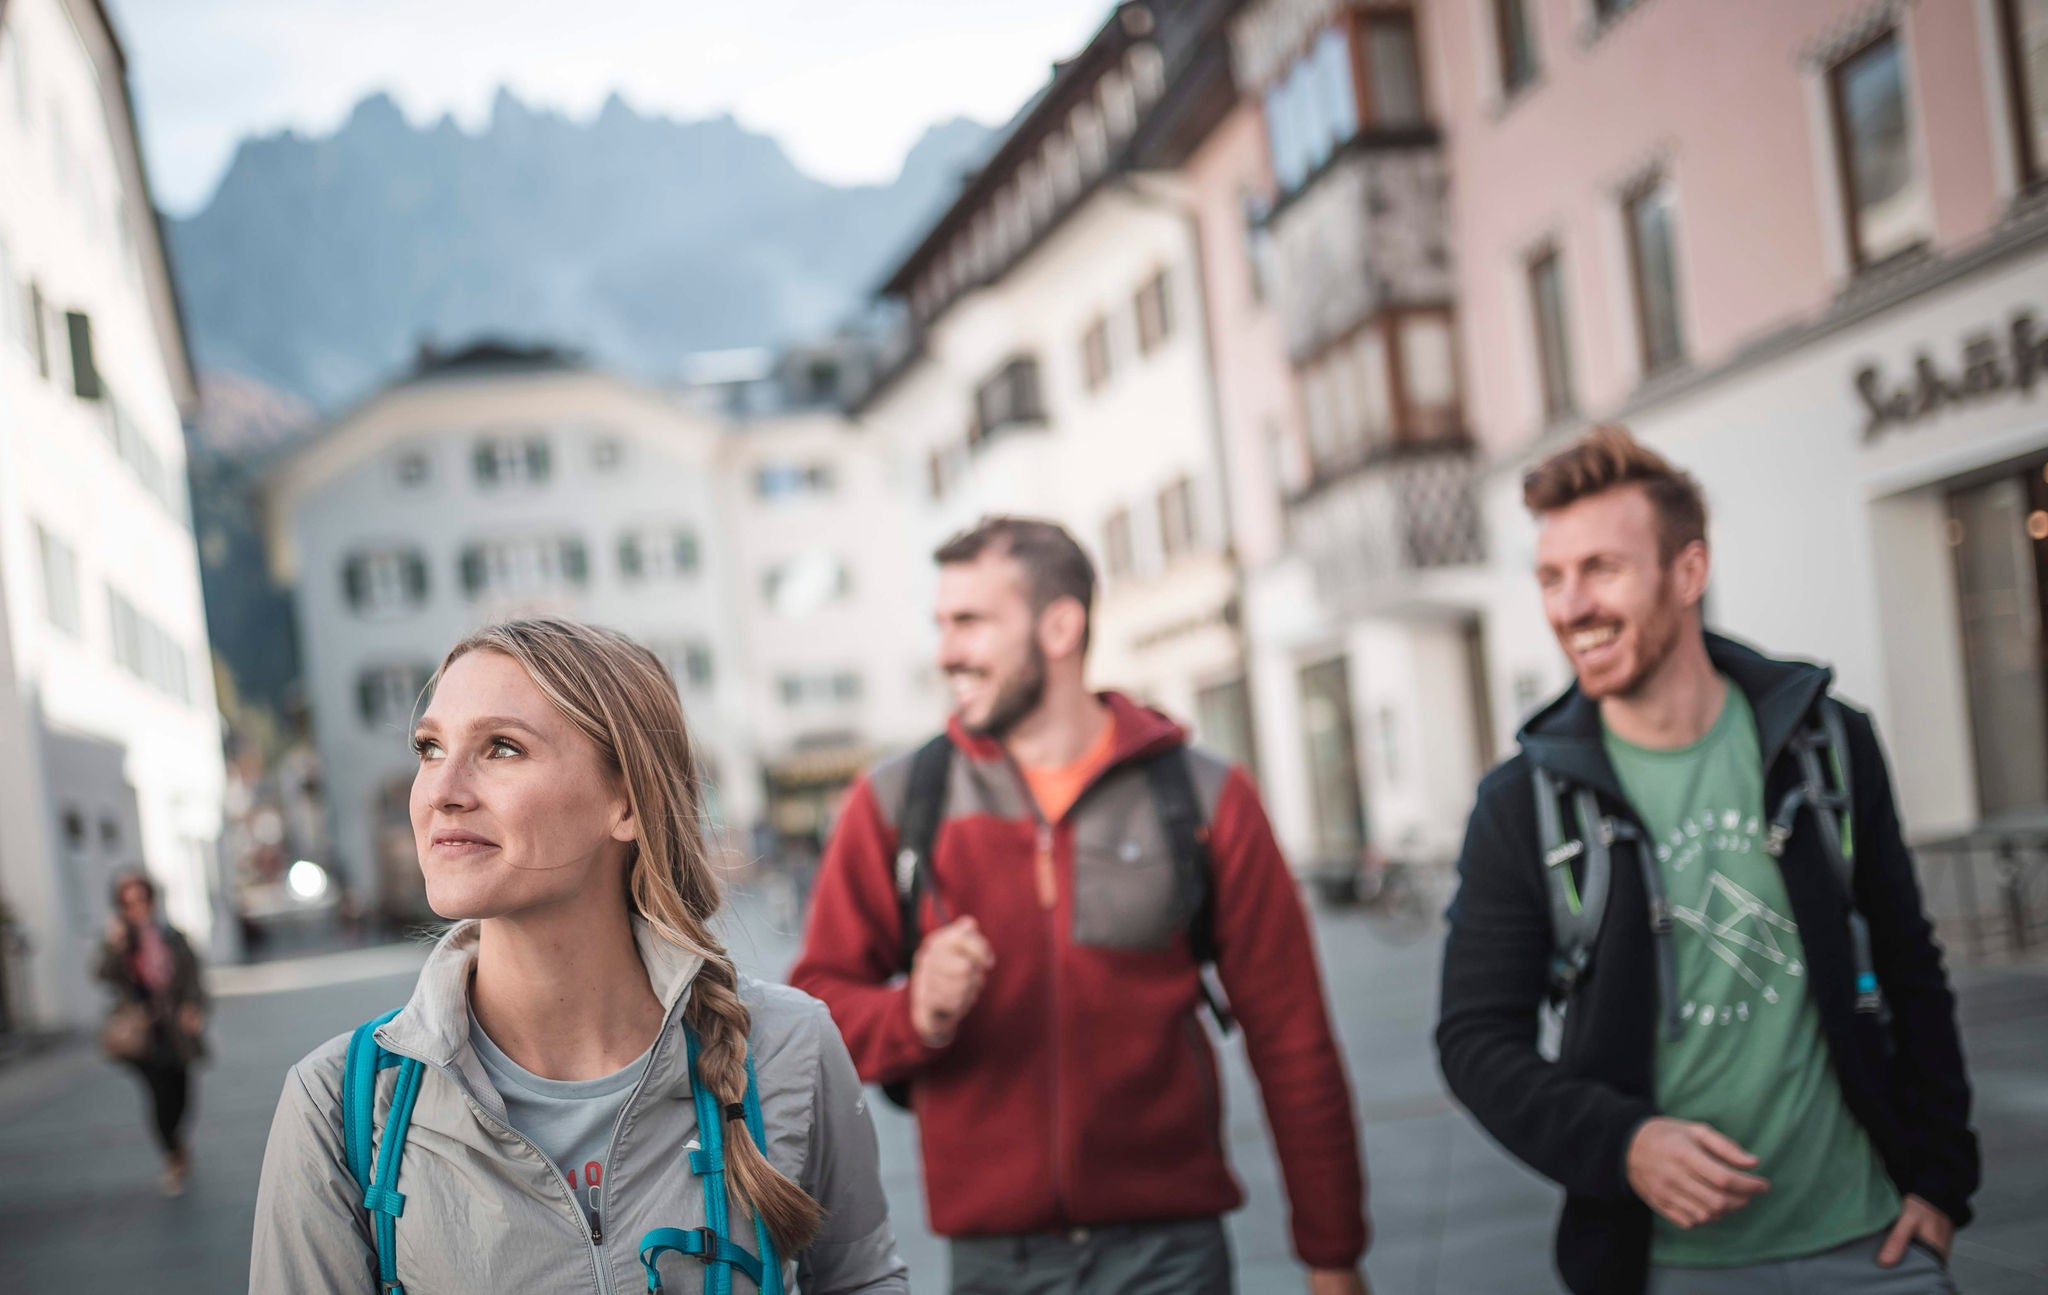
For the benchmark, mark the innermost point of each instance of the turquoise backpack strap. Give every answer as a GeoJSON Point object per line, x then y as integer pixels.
{"type": "Point", "coordinates": [711, 1244]}
{"type": "Point", "coordinates": [379, 1183]}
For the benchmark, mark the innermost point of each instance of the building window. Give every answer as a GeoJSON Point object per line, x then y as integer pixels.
{"type": "Point", "coordinates": [506, 460]}
{"type": "Point", "coordinates": [818, 688]}
{"type": "Point", "coordinates": [1095, 362]}
{"type": "Point", "coordinates": [1311, 110]}
{"type": "Point", "coordinates": [1883, 193]}
{"type": "Point", "coordinates": [1393, 70]}
{"type": "Point", "coordinates": [657, 553]}
{"type": "Point", "coordinates": [145, 650]}
{"type": "Point", "coordinates": [1259, 252]}
{"type": "Point", "coordinates": [411, 469]}
{"type": "Point", "coordinates": [38, 331]}
{"type": "Point", "coordinates": [1155, 314]}
{"type": "Point", "coordinates": [687, 661]}
{"type": "Point", "coordinates": [1553, 346]}
{"type": "Point", "coordinates": [1653, 267]}
{"type": "Point", "coordinates": [384, 580]}
{"type": "Point", "coordinates": [1431, 408]}
{"type": "Point", "coordinates": [792, 480]}
{"type": "Point", "coordinates": [1118, 558]}
{"type": "Point", "coordinates": [1516, 45]}
{"type": "Point", "coordinates": [1011, 398]}
{"type": "Point", "coordinates": [61, 602]}
{"type": "Point", "coordinates": [1177, 531]}
{"type": "Point", "coordinates": [531, 564]}
{"type": "Point", "coordinates": [803, 584]}
{"type": "Point", "coordinates": [2026, 72]}
{"type": "Point", "coordinates": [387, 695]}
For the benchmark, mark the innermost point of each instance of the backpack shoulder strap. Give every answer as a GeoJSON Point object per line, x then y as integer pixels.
{"type": "Point", "coordinates": [917, 828]}
{"type": "Point", "coordinates": [1179, 807]}
{"type": "Point", "coordinates": [1575, 912]}
{"type": "Point", "coordinates": [378, 1181]}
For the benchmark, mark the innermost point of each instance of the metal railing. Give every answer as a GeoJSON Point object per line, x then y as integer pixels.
{"type": "Point", "coordinates": [1987, 890]}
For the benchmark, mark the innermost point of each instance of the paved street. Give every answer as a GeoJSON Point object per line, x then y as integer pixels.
{"type": "Point", "coordinates": [1454, 1216]}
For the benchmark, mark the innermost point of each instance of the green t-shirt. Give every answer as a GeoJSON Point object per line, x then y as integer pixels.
{"type": "Point", "coordinates": [1751, 1061]}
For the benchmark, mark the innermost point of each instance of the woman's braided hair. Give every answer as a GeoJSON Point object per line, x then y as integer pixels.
{"type": "Point", "coordinates": [621, 698]}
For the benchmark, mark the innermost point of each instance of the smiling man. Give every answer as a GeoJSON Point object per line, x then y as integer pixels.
{"type": "Point", "coordinates": [1696, 858]}
{"type": "Point", "coordinates": [1063, 864]}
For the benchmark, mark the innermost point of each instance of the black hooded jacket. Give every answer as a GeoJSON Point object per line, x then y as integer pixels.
{"type": "Point", "coordinates": [1572, 1120]}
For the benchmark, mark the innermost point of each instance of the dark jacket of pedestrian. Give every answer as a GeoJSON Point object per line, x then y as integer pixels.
{"type": "Point", "coordinates": [154, 966]}
{"type": "Point", "coordinates": [1081, 1090]}
{"type": "Point", "coordinates": [1573, 1119]}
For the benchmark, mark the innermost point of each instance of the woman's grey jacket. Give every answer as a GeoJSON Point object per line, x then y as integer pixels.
{"type": "Point", "coordinates": [485, 1210]}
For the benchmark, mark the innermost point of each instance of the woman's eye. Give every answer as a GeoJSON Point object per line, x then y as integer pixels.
{"type": "Point", "coordinates": [500, 747]}
{"type": "Point", "coordinates": [423, 747]}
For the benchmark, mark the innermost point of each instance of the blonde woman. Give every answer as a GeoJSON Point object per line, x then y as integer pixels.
{"type": "Point", "coordinates": [528, 1121]}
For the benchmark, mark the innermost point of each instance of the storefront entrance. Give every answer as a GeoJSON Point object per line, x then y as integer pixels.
{"type": "Point", "coordinates": [1998, 530]}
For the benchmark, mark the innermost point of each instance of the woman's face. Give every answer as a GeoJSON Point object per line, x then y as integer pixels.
{"type": "Point", "coordinates": [513, 809]}
{"type": "Point", "coordinates": [137, 907]}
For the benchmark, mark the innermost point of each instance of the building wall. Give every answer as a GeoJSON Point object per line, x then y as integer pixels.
{"type": "Point", "coordinates": [1749, 149]}
{"type": "Point", "coordinates": [344, 495]}
{"type": "Point", "coordinates": [102, 769]}
{"type": "Point", "coordinates": [873, 631]}
{"type": "Point", "coordinates": [1159, 632]}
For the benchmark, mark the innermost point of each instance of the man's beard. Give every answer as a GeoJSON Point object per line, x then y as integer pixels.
{"type": "Point", "coordinates": [1656, 638]}
{"type": "Point", "coordinates": [1016, 698]}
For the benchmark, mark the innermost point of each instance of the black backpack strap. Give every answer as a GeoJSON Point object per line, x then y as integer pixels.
{"type": "Point", "coordinates": [1578, 906]}
{"type": "Point", "coordinates": [917, 827]}
{"type": "Point", "coordinates": [1822, 750]}
{"type": "Point", "coordinates": [1187, 834]}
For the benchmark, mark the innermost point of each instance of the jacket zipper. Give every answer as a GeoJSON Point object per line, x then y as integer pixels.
{"type": "Point", "coordinates": [593, 1233]}
{"type": "Point", "coordinates": [1049, 904]}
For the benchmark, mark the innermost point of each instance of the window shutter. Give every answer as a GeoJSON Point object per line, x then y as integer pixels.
{"type": "Point", "coordinates": [416, 577]}
{"type": "Point", "coordinates": [366, 696]}
{"type": "Point", "coordinates": [574, 563]}
{"type": "Point", "coordinates": [472, 569]}
{"type": "Point", "coordinates": [85, 378]}
{"type": "Point", "coordinates": [486, 463]}
{"type": "Point", "coordinates": [686, 552]}
{"type": "Point", "coordinates": [352, 580]}
{"type": "Point", "coordinates": [537, 460]}
{"type": "Point", "coordinates": [629, 555]}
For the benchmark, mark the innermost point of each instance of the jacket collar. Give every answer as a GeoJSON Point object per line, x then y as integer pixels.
{"type": "Point", "coordinates": [1565, 736]}
{"type": "Point", "coordinates": [1140, 731]}
{"type": "Point", "coordinates": [434, 1025]}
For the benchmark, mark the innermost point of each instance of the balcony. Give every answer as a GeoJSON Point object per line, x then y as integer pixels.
{"type": "Point", "coordinates": [1373, 527]}
{"type": "Point", "coordinates": [1365, 234]}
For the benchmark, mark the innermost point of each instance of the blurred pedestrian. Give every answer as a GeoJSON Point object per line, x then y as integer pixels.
{"type": "Point", "coordinates": [585, 1092]}
{"type": "Point", "coordinates": [157, 1024]}
{"type": "Point", "coordinates": [1696, 857]}
{"type": "Point", "coordinates": [1051, 875]}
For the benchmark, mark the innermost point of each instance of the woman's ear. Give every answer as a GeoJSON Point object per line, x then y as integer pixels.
{"type": "Point", "coordinates": [624, 826]}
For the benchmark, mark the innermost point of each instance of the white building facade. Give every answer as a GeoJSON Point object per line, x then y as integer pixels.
{"type": "Point", "coordinates": [1059, 367]}
{"type": "Point", "coordinates": [110, 741]}
{"type": "Point", "coordinates": [490, 485]}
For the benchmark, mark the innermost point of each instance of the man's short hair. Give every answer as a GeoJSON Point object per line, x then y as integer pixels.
{"type": "Point", "coordinates": [1055, 566]}
{"type": "Point", "coordinates": [1607, 458]}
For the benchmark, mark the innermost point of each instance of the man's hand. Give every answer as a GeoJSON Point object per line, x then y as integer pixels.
{"type": "Point", "coordinates": [946, 977]}
{"type": "Point", "coordinates": [1689, 1173]}
{"type": "Point", "coordinates": [117, 933]}
{"type": "Point", "coordinates": [1336, 1281]}
{"type": "Point", "coordinates": [1916, 1219]}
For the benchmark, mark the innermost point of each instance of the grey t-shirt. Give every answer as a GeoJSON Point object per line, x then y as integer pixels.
{"type": "Point", "coordinates": [570, 1120]}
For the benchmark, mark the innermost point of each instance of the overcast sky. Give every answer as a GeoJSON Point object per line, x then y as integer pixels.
{"type": "Point", "coordinates": [846, 85]}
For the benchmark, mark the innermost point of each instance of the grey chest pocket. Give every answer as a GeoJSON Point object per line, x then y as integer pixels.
{"type": "Point", "coordinates": [1126, 893]}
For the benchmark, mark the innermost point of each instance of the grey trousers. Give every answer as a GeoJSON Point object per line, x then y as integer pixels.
{"type": "Point", "coordinates": [1189, 1258]}
{"type": "Point", "coordinates": [1845, 1270]}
